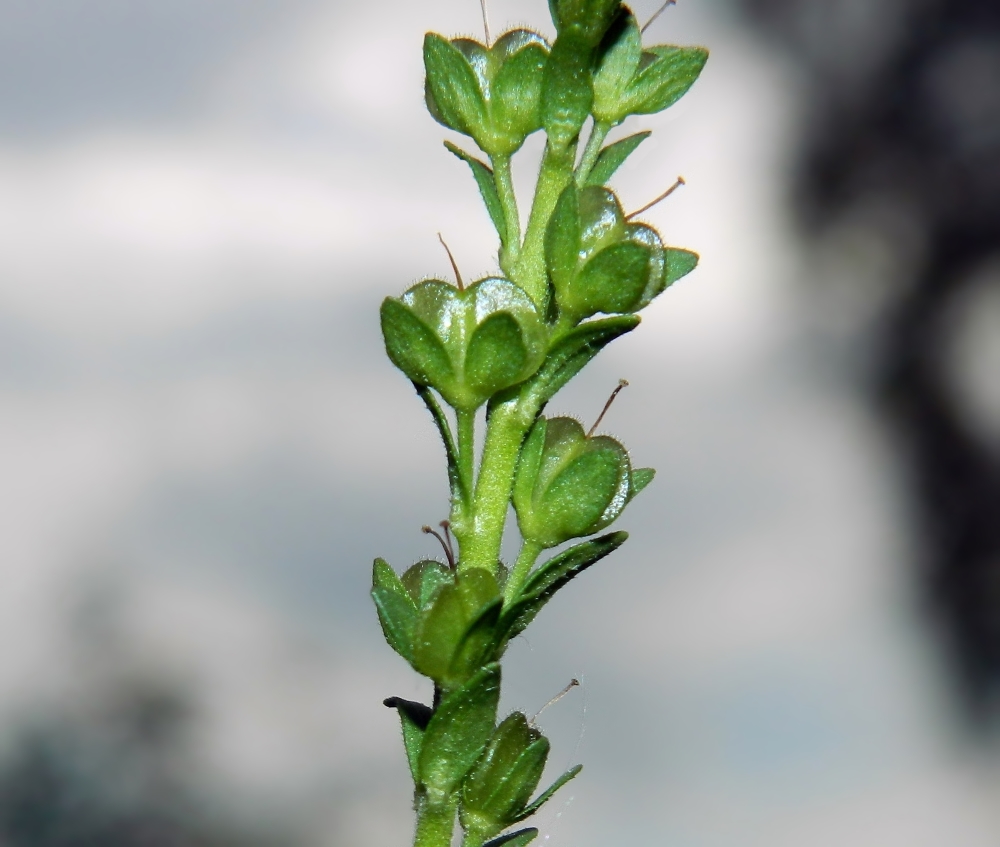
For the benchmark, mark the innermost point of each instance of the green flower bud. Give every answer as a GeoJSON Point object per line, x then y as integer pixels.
{"type": "Point", "coordinates": [492, 94]}
{"type": "Point", "coordinates": [568, 484]}
{"type": "Point", "coordinates": [498, 789]}
{"type": "Point", "coordinates": [467, 344]}
{"type": "Point", "coordinates": [586, 20]}
{"type": "Point", "coordinates": [632, 81]}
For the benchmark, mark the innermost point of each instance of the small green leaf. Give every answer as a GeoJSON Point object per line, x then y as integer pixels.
{"type": "Point", "coordinates": [665, 79]}
{"type": "Point", "coordinates": [487, 188]}
{"type": "Point", "coordinates": [552, 576]}
{"type": "Point", "coordinates": [574, 350]}
{"type": "Point", "coordinates": [613, 156]}
{"type": "Point", "coordinates": [458, 492]}
{"type": "Point", "coordinates": [514, 839]}
{"type": "Point", "coordinates": [458, 732]}
{"type": "Point", "coordinates": [414, 718]}
{"type": "Point", "coordinates": [547, 794]}
{"type": "Point", "coordinates": [679, 263]}
{"type": "Point", "coordinates": [453, 92]}
{"type": "Point", "coordinates": [641, 477]}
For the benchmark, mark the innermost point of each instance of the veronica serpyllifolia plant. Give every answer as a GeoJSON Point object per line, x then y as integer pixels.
{"type": "Point", "coordinates": [569, 282]}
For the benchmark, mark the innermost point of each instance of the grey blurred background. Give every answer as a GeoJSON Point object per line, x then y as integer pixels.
{"type": "Point", "coordinates": [203, 447]}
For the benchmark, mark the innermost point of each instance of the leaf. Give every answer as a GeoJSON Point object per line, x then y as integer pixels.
{"type": "Point", "coordinates": [455, 483]}
{"type": "Point", "coordinates": [453, 94]}
{"type": "Point", "coordinates": [545, 796]}
{"type": "Point", "coordinates": [514, 839]}
{"type": "Point", "coordinates": [679, 263]}
{"type": "Point", "coordinates": [570, 354]}
{"type": "Point", "coordinates": [487, 188]}
{"type": "Point", "coordinates": [414, 718]}
{"type": "Point", "coordinates": [613, 156]}
{"type": "Point", "coordinates": [458, 732]}
{"type": "Point", "coordinates": [552, 576]}
{"type": "Point", "coordinates": [666, 79]}
{"type": "Point", "coordinates": [396, 610]}
{"type": "Point", "coordinates": [641, 477]}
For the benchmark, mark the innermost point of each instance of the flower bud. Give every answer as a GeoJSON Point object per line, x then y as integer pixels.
{"type": "Point", "coordinates": [467, 344]}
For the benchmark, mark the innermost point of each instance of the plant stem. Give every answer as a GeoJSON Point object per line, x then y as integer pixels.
{"type": "Point", "coordinates": [508, 200]}
{"type": "Point", "coordinates": [526, 559]}
{"type": "Point", "coordinates": [435, 824]}
{"type": "Point", "coordinates": [598, 133]}
{"type": "Point", "coordinates": [556, 171]}
{"type": "Point", "coordinates": [466, 421]}
{"type": "Point", "coordinates": [506, 427]}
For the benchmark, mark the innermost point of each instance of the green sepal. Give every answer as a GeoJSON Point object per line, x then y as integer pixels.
{"type": "Point", "coordinates": [546, 795]}
{"type": "Point", "coordinates": [487, 188]}
{"type": "Point", "coordinates": [396, 610]}
{"type": "Point", "coordinates": [452, 91]}
{"type": "Point", "coordinates": [571, 353]}
{"type": "Point", "coordinates": [514, 839]}
{"type": "Point", "coordinates": [458, 732]}
{"type": "Point", "coordinates": [497, 790]}
{"type": "Point", "coordinates": [618, 60]}
{"type": "Point", "coordinates": [455, 632]}
{"type": "Point", "coordinates": [613, 156]}
{"type": "Point", "coordinates": [641, 477]}
{"type": "Point", "coordinates": [413, 718]}
{"type": "Point", "coordinates": [553, 575]}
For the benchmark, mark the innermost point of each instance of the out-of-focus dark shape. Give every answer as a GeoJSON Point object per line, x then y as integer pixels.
{"type": "Point", "coordinates": [111, 779]}
{"type": "Point", "coordinates": [902, 139]}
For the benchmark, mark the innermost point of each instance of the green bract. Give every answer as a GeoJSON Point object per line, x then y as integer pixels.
{"type": "Point", "coordinates": [598, 262]}
{"type": "Point", "coordinates": [632, 81]}
{"type": "Point", "coordinates": [467, 344]}
{"type": "Point", "coordinates": [568, 484]}
{"type": "Point", "coordinates": [492, 94]}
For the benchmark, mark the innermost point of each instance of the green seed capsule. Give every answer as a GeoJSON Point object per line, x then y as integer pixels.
{"type": "Point", "coordinates": [492, 94]}
{"type": "Point", "coordinates": [569, 485]}
{"type": "Point", "coordinates": [499, 787]}
{"type": "Point", "coordinates": [467, 344]}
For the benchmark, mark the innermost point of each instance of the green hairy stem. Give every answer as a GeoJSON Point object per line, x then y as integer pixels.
{"type": "Point", "coordinates": [495, 352]}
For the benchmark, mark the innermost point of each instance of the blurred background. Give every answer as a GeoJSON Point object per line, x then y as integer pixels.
{"type": "Point", "coordinates": [203, 446]}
